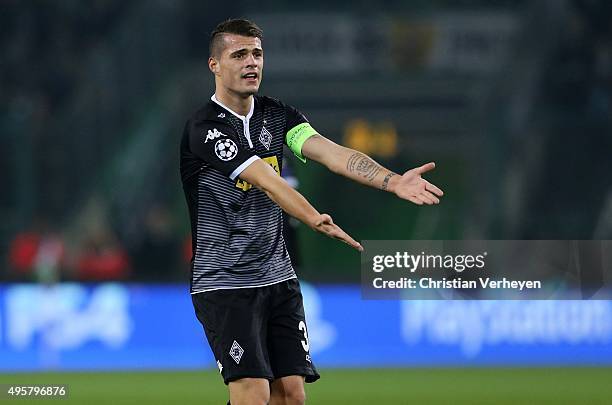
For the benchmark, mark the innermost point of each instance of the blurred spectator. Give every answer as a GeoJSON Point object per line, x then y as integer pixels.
{"type": "Point", "coordinates": [102, 258]}
{"type": "Point", "coordinates": [37, 254]}
{"type": "Point", "coordinates": [22, 253]}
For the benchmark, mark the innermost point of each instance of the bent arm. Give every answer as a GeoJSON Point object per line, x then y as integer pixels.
{"type": "Point", "coordinates": [262, 176]}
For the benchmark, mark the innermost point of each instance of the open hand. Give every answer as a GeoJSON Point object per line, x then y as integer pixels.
{"type": "Point", "coordinates": [412, 187]}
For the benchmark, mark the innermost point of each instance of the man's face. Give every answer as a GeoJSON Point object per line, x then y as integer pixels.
{"type": "Point", "coordinates": [239, 65]}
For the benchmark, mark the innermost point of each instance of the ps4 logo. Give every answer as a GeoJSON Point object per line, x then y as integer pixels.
{"type": "Point", "coordinates": [67, 316]}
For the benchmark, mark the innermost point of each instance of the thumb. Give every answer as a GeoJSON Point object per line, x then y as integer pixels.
{"type": "Point", "coordinates": [425, 168]}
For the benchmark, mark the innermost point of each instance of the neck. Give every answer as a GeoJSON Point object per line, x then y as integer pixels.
{"type": "Point", "coordinates": [239, 104]}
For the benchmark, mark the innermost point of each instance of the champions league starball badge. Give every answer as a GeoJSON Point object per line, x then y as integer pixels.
{"type": "Point", "coordinates": [226, 149]}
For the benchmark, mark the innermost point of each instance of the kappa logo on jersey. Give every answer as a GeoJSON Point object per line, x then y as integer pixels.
{"type": "Point", "coordinates": [226, 149]}
{"type": "Point", "coordinates": [272, 161]}
{"type": "Point", "coordinates": [221, 115]}
{"type": "Point", "coordinates": [213, 134]}
{"type": "Point", "coordinates": [236, 352]}
{"type": "Point", "coordinates": [265, 137]}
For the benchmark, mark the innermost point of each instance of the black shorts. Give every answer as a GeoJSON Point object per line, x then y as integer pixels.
{"type": "Point", "coordinates": [257, 332]}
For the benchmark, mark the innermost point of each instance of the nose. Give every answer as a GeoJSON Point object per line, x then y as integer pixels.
{"type": "Point", "coordinates": [251, 61]}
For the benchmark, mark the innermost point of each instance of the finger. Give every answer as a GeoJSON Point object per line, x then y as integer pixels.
{"type": "Point", "coordinates": [346, 238]}
{"type": "Point", "coordinates": [434, 189]}
{"type": "Point", "coordinates": [425, 168]}
{"type": "Point", "coordinates": [425, 199]}
{"type": "Point", "coordinates": [355, 245]}
{"type": "Point", "coordinates": [336, 232]}
{"type": "Point", "coordinates": [431, 197]}
{"type": "Point", "coordinates": [415, 200]}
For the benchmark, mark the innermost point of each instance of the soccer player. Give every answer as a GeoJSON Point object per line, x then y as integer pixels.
{"type": "Point", "coordinates": [244, 289]}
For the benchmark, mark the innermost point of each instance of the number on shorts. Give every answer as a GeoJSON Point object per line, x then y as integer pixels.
{"type": "Point", "coordinates": [305, 344]}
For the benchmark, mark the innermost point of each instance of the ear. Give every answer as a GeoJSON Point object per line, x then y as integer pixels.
{"type": "Point", "coordinates": [213, 65]}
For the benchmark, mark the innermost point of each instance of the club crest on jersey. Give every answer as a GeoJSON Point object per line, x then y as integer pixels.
{"type": "Point", "coordinates": [213, 134]}
{"type": "Point", "coordinates": [236, 352]}
{"type": "Point", "coordinates": [265, 137]}
{"type": "Point", "coordinates": [226, 149]}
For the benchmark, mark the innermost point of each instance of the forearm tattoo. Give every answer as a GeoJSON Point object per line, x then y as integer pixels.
{"type": "Point", "coordinates": [363, 166]}
{"type": "Point", "coordinates": [386, 180]}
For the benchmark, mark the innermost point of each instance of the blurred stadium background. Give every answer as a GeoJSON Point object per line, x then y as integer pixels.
{"type": "Point", "coordinates": [512, 99]}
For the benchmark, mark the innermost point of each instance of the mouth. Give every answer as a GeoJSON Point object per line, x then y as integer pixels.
{"type": "Point", "coordinates": [251, 76]}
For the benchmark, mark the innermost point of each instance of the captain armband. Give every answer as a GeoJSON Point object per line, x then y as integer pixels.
{"type": "Point", "coordinates": [296, 137]}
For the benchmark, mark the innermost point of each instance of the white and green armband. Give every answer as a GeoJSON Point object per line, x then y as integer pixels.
{"type": "Point", "coordinates": [296, 137]}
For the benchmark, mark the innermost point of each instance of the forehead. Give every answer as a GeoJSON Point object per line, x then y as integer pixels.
{"type": "Point", "coordinates": [233, 43]}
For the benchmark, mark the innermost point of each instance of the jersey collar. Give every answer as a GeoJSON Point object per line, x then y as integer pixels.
{"type": "Point", "coordinates": [242, 117]}
{"type": "Point", "coordinates": [245, 120]}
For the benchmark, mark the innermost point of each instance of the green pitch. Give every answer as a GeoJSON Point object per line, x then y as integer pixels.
{"type": "Point", "coordinates": [367, 386]}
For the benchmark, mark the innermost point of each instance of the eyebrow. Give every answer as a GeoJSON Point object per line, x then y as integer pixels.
{"type": "Point", "coordinates": [245, 50]}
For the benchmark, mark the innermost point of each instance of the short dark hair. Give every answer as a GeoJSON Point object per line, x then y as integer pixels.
{"type": "Point", "coordinates": [238, 26]}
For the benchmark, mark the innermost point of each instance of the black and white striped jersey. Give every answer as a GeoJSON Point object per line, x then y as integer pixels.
{"type": "Point", "coordinates": [236, 229]}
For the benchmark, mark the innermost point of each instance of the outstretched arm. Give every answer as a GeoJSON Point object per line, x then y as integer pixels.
{"type": "Point", "coordinates": [359, 167]}
{"type": "Point", "coordinates": [262, 176]}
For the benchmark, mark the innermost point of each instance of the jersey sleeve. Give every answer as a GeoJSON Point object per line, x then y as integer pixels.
{"type": "Point", "coordinates": [217, 144]}
{"type": "Point", "coordinates": [298, 131]}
